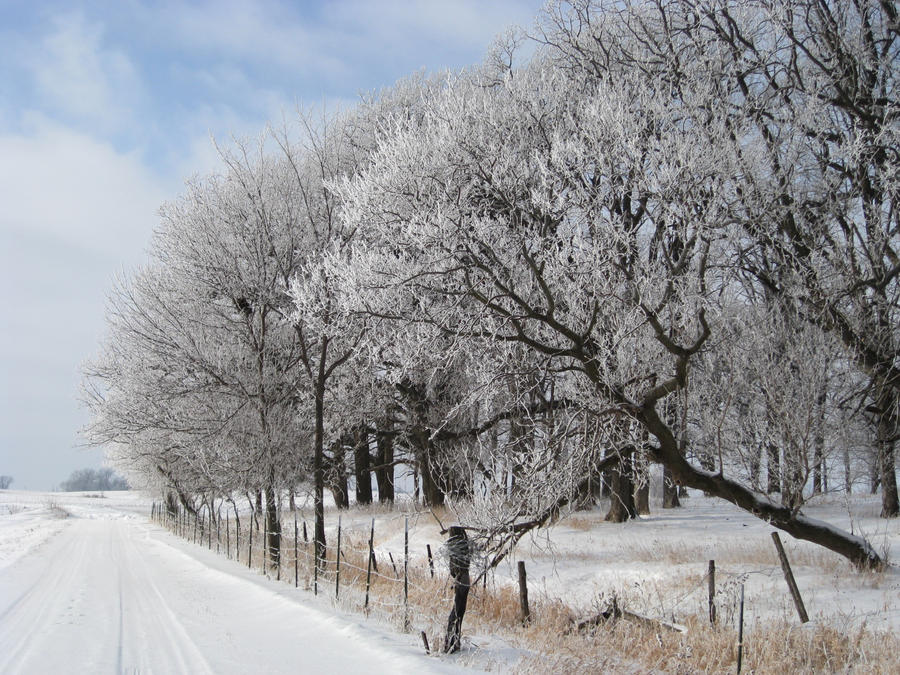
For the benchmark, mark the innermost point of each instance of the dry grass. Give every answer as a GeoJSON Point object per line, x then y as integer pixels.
{"type": "Point", "coordinates": [775, 648]}
{"type": "Point", "coordinates": [552, 644]}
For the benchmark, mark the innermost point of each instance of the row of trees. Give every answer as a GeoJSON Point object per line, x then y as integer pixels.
{"type": "Point", "coordinates": [101, 479]}
{"type": "Point", "coordinates": [667, 236]}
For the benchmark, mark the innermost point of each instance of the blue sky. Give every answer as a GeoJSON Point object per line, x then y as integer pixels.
{"type": "Point", "coordinates": [106, 107]}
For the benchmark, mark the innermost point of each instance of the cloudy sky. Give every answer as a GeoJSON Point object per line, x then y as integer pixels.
{"type": "Point", "coordinates": [105, 109]}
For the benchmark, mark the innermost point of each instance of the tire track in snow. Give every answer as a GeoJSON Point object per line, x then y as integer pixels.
{"type": "Point", "coordinates": [112, 595]}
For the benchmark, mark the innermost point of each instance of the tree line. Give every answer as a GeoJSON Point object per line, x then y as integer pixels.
{"type": "Point", "coordinates": [645, 233]}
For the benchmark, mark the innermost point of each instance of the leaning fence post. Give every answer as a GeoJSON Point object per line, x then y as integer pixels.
{"type": "Point", "coordinates": [712, 591]}
{"type": "Point", "coordinates": [393, 565]}
{"type": "Point", "coordinates": [523, 594]}
{"type": "Point", "coordinates": [430, 560]}
{"type": "Point", "coordinates": [789, 577]}
{"type": "Point", "coordinates": [337, 562]}
{"type": "Point", "coordinates": [369, 565]}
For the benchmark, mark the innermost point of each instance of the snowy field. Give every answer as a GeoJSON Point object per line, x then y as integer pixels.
{"type": "Point", "coordinates": [88, 585]}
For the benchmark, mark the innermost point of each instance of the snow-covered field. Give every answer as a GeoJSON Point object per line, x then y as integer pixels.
{"type": "Point", "coordinates": [88, 584]}
{"type": "Point", "coordinates": [104, 591]}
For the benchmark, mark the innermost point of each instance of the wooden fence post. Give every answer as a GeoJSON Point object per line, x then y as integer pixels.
{"type": "Point", "coordinates": [227, 537]}
{"type": "Point", "coordinates": [523, 594]}
{"type": "Point", "coordinates": [337, 562]}
{"type": "Point", "coordinates": [460, 556]}
{"type": "Point", "coordinates": [789, 577]}
{"type": "Point", "coordinates": [740, 654]}
{"type": "Point", "coordinates": [712, 591]}
{"type": "Point", "coordinates": [296, 562]}
{"type": "Point", "coordinates": [430, 560]}
{"type": "Point", "coordinates": [406, 575]}
{"type": "Point", "coordinates": [369, 565]}
{"type": "Point", "coordinates": [250, 544]}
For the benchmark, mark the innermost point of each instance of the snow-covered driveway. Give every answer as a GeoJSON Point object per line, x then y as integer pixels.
{"type": "Point", "coordinates": [114, 594]}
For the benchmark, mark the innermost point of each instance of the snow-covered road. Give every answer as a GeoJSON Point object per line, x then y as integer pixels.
{"type": "Point", "coordinates": [114, 594]}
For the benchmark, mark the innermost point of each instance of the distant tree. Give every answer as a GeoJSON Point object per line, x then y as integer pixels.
{"type": "Point", "coordinates": [5, 482]}
{"type": "Point", "coordinates": [93, 479]}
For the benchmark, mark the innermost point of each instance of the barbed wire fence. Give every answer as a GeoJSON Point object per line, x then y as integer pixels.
{"type": "Point", "coordinates": [401, 583]}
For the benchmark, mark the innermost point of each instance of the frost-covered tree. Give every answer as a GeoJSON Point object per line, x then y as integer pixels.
{"type": "Point", "coordinates": [573, 207]}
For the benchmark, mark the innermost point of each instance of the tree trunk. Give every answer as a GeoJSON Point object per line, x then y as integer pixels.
{"type": "Point", "coordinates": [336, 474]}
{"type": "Point", "coordinates": [384, 469]}
{"type": "Point", "coordinates": [432, 495]}
{"type": "Point", "coordinates": [362, 468]}
{"type": "Point", "coordinates": [852, 547]}
{"type": "Point", "coordinates": [670, 491]}
{"type": "Point", "coordinates": [319, 465]}
{"type": "Point", "coordinates": [773, 468]}
{"type": "Point", "coordinates": [670, 488]}
{"type": "Point", "coordinates": [819, 445]}
{"type": "Point", "coordinates": [622, 507]}
{"type": "Point", "coordinates": [641, 467]}
{"type": "Point", "coordinates": [793, 479]}
{"type": "Point", "coordinates": [273, 529]}
{"type": "Point", "coordinates": [890, 508]}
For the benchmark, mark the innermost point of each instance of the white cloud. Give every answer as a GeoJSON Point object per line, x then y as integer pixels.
{"type": "Point", "coordinates": [75, 213]}
{"type": "Point", "coordinates": [465, 24]}
{"type": "Point", "coordinates": [261, 32]}
{"type": "Point", "coordinates": [80, 77]}
{"type": "Point", "coordinates": [77, 190]}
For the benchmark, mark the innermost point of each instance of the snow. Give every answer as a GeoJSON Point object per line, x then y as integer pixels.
{"type": "Point", "coordinates": [104, 590]}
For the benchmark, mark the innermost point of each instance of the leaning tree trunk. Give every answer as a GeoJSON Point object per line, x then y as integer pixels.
{"type": "Point", "coordinates": [854, 548]}
{"type": "Point", "coordinates": [460, 558]}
